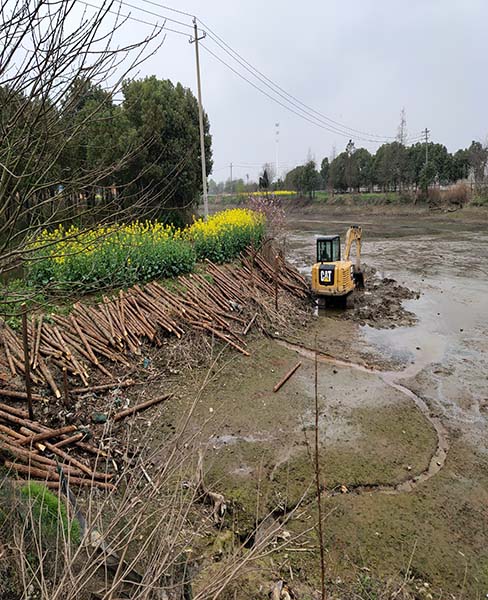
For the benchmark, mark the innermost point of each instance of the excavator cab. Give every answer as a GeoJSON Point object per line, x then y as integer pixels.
{"type": "Point", "coordinates": [328, 248]}
{"type": "Point", "coordinates": [333, 277]}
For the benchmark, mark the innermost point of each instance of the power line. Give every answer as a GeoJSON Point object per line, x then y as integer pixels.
{"type": "Point", "coordinates": [131, 18]}
{"type": "Point", "coordinates": [346, 130]}
{"type": "Point", "coordinates": [175, 10]}
{"type": "Point", "coordinates": [306, 117]}
{"type": "Point", "coordinates": [323, 121]}
{"type": "Point", "coordinates": [150, 12]}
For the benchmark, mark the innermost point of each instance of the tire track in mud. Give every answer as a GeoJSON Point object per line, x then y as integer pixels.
{"type": "Point", "coordinates": [390, 378]}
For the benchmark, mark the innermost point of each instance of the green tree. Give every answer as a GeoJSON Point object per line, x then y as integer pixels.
{"type": "Point", "coordinates": [324, 172]}
{"type": "Point", "coordinates": [294, 179]}
{"type": "Point", "coordinates": [460, 165]}
{"type": "Point", "coordinates": [310, 178]}
{"type": "Point", "coordinates": [337, 172]}
{"type": "Point", "coordinates": [363, 168]}
{"type": "Point", "coordinates": [391, 166]}
{"type": "Point", "coordinates": [162, 120]}
{"type": "Point", "coordinates": [478, 160]}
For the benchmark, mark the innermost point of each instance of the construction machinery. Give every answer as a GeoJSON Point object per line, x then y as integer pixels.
{"type": "Point", "coordinates": [334, 279]}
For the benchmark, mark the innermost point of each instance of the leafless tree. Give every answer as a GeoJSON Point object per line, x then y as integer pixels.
{"type": "Point", "coordinates": [52, 54]}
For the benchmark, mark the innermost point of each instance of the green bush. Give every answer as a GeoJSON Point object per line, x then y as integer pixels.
{"type": "Point", "coordinates": [49, 513]}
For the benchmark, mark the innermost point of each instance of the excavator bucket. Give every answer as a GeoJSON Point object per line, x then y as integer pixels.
{"type": "Point", "coordinates": [359, 280]}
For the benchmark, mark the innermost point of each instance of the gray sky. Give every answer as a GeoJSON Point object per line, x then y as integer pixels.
{"type": "Point", "coordinates": [357, 61]}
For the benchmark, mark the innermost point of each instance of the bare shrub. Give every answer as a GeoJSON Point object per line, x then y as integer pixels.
{"type": "Point", "coordinates": [457, 195]}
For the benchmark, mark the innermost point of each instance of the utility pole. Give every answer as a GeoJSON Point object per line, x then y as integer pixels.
{"type": "Point", "coordinates": [277, 139]}
{"type": "Point", "coordinates": [231, 186]}
{"type": "Point", "coordinates": [426, 133]}
{"type": "Point", "coordinates": [200, 118]}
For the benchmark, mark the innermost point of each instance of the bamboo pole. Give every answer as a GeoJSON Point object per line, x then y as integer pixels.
{"type": "Point", "coordinates": [25, 341]}
{"type": "Point", "coordinates": [138, 407]}
{"type": "Point", "coordinates": [286, 377]}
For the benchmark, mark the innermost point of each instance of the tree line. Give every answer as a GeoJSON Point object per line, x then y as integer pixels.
{"type": "Point", "coordinates": [393, 167]}
{"type": "Point", "coordinates": [90, 149]}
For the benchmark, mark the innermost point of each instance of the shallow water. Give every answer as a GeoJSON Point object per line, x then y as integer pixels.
{"type": "Point", "coordinates": [451, 334]}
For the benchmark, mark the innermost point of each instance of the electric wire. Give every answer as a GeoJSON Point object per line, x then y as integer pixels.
{"type": "Point", "coordinates": [282, 92]}
{"type": "Point", "coordinates": [310, 119]}
{"type": "Point", "coordinates": [322, 121]}
{"type": "Point", "coordinates": [137, 20]}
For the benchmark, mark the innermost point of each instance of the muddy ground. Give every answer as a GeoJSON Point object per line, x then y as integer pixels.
{"type": "Point", "coordinates": [403, 413]}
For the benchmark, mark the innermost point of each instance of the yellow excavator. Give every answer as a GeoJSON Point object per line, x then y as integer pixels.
{"type": "Point", "coordinates": [334, 279]}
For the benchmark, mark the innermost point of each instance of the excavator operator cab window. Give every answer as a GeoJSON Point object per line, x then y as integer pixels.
{"type": "Point", "coordinates": [328, 248]}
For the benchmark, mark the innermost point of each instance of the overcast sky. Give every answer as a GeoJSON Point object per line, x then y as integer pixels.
{"type": "Point", "coordinates": [356, 61]}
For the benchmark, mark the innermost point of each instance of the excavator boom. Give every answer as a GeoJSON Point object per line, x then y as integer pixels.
{"type": "Point", "coordinates": [353, 235]}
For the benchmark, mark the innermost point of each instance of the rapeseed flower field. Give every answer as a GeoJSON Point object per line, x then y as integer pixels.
{"type": "Point", "coordinates": [140, 251]}
{"type": "Point", "coordinates": [224, 235]}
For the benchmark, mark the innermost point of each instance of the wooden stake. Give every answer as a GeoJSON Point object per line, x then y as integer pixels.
{"type": "Point", "coordinates": [138, 407]}
{"type": "Point", "coordinates": [286, 377]}
{"type": "Point", "coordinates": [65, 387]}
{"type": "Point", "coordinates": [276, 265]}
{"type": "Point", "coordinates": [15, 395]}
{"type": "Point", "coordinates": [25, 340]}
{"type": "Point", "coordinates": [249, 325]}
{"type": "Point", "coordinates": [317, 478]}
{"type": "Point", "coordinates": [47, 435]}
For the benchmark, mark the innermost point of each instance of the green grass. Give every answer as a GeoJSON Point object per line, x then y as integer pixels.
{"type": "Point", "coordinates": [49, 514]}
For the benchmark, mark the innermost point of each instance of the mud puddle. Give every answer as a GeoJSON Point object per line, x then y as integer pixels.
{"type": "Point", "coordinates": [391, 378]}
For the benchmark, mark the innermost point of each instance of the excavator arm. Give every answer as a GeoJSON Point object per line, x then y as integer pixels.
{"type": "Point", "coordinates": [354, 235]}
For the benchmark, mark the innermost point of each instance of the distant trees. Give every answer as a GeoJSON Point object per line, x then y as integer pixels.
{"type": "Point", "coordinates": [304, 178]}
{"type": "Point", "coordinates": [394, 167]}
{"type": "Point", "coordinates": [477, 155]}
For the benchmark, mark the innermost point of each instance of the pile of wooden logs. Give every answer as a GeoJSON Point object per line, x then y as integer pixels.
{"type": "Point", "coordinates": [32, 450]}
{"type": "Point", "coordinates": [225, 302]}
{"type": "Point", "coordinates": [24, 443]}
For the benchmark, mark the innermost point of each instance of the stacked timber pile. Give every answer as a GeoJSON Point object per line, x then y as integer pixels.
{"type": "Point", "coordinates": [224, 303]}
{"type": "Point", "coordinates": [34, 451]}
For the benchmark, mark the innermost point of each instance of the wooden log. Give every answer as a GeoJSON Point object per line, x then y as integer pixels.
{"type": "Point", "coordinates": [38, 461]}
{"type": "Point", "coordinates": [37, 342]}
{"type": "Point", "coordinates": [62, 342]}
{"type": "Point", "coordinates": [84, 341]}
{"type": "Point", "coordinates": [75, 481]}
{"type": "Point", "coordinates": [10, 432]}
{"type": "Point", "coordinates": [70, 459]}
{"type": "Point", "coordinates": [249, 325]}
{"type": "Point", "coordinates": [102, 387]}
{"type": "Point", "coordinates": [69, 440]}
{"type": "Point", "coordinates": [18, 412]}
{"type": "Point", "coordinates": [13, 450]}
{"type": "Point", "coordinates": [105, 308]}
{"type": "Point", "coordinates": [223, 337]}
{"type": "Point", "coordinates": [138, 407]}
{"type": "Point", "coordinates": [86, 323]}
{"type": "Point", "coordinates": [48, 376]}
{"type": "Point", "coordinates": [286, 377]}
{"type": "Point", "coordinates": [8, 355]}
{"type": "Point", "coordinates": [47, 435]}
{"type": "Point", "coordinates": [31, 470]}
{"type": "Point", "coordinates": [51, 479]}
{"type": "Point", "coordinates": [15, 395]}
